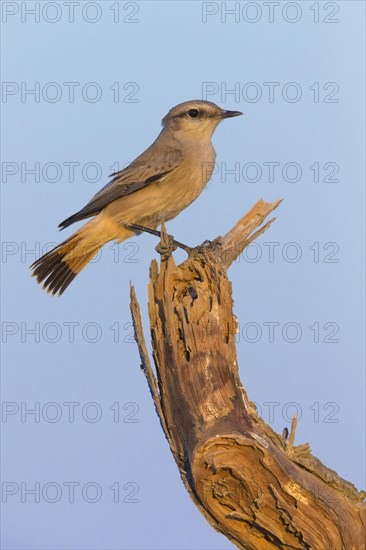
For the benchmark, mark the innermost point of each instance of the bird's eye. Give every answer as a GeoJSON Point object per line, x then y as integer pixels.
{"type": "Point", "coordinates": [193, 113]}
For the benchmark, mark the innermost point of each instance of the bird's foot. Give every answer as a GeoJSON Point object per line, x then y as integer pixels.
{"type": "Point", "coordinates": [166, 248]}
{"type": "Point", "coordinates": [206, 246]}
{"type": "Point", "coordinates": [162, 249]}
{"type": "Point", "coordinates": [168, 244]}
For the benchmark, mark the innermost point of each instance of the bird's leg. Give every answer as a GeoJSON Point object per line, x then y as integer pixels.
{"type": "Point", "coordinates": [136, 227]}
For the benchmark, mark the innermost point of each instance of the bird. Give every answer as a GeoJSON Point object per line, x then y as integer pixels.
{"type": "Point", "coordinates": [154, 188]}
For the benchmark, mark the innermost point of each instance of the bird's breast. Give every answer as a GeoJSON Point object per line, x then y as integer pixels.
{"type": "Point", "coordinates": [187, 182]}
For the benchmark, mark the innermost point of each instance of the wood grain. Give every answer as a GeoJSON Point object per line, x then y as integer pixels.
{"type": "Point", "coordinates": [252, 484]}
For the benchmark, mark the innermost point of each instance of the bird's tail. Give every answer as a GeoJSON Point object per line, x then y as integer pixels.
{"type": "Point", "coordinates": [58, 267]}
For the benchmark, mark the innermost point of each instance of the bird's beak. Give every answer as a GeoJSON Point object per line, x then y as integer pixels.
{"type": "Point", "coordinates": [229, 114]}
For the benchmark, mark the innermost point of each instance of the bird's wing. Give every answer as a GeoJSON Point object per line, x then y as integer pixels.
{"type": "Point", "coordinates": [138, 175]}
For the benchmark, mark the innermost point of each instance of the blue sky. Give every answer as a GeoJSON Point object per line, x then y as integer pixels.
{"type": "Point", "coordinates": [103, 77]}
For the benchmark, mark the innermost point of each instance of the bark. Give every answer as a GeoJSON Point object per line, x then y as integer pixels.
{"type": "Point", "coordinates": [252, 484]}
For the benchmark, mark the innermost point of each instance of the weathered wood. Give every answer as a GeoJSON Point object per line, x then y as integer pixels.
{"type": "Point", "coordinates": [252, 485]}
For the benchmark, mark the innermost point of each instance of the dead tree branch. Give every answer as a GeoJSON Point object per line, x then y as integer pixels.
{"type": "Point", "coordinates": [252, 484]}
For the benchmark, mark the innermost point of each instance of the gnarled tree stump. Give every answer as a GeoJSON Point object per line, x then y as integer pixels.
{"type": "Point", "coordinates": [251, 484]}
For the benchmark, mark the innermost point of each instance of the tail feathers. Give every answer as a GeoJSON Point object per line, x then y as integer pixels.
{"type": "Point", "coordinates": [72, 219]}
{"type": "Point", "coordinates": [59, 267]}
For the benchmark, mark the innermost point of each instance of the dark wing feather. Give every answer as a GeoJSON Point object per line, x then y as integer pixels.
{"type": "Point", "coordinates": [133, 178]}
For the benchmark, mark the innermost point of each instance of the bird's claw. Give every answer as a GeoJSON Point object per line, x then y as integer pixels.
{"type": "Point", "coordinates": [165, 249]}
{"type": "Point", "coordinates": [206, 246]}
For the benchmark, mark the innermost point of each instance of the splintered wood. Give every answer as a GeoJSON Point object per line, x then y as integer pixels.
{"type": "Point", "coordinates": [253, 485]}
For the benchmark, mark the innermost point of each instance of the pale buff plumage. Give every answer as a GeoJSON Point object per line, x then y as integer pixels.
{"type": "Point", "coordinates": [154, 188]}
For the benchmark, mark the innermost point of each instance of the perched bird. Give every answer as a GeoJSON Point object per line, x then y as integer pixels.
{"type": "Point", "coordinates": [154, 188]}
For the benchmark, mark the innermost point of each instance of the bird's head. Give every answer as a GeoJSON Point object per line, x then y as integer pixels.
{"type": "Point", "coordinates": [196, 119]}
